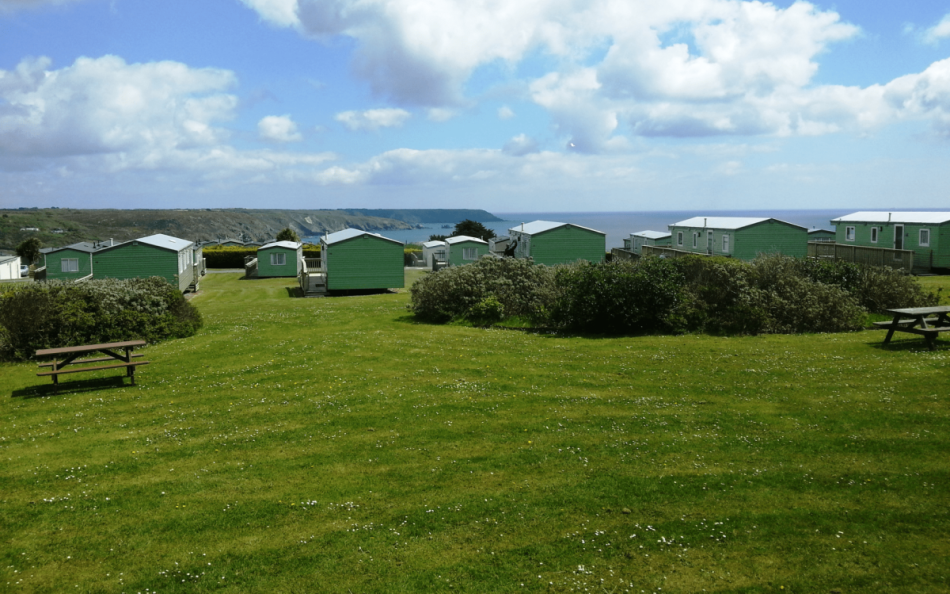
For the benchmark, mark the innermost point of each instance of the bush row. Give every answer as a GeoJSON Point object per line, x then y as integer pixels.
{"type": "Point", "coordinates": [773, 294]}
{"type": "Point", "coordinates": [226, 256]}
{"type": "Point", "coordinates": [60, 313]}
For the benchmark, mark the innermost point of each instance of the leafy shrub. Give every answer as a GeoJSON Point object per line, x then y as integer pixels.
{"type": "Point", "coordinates": [773, 294]}
{"type": "Point", "coordinates": [61, 313]}
{"type": "Point", "coordinates": [487, 311]}
{"type": "Point", "coordinates": [618, 297]}
{"type": "Point", "coordinates": [520, 287]}
{"type": "Point", "coordinates": [725, 297]}
{"type": "Point", "coordinates": [875, 288]}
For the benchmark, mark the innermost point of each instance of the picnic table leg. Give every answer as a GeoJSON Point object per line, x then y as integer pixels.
{"type": "Point", "coordinates": [890, 331]}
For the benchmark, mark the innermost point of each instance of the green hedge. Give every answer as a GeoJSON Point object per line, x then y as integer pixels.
{"type": "Point", "coordinates": [773, 294]}
{"type": "Point", "coordinates": [61, 313]}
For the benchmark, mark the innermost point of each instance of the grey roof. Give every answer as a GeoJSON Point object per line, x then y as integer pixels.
{"type": "Point", "coordinates": [431, 244]}
{"type": "Point", "coordinates": [927, 218]}
{"type": "Point", "coordinates": [461, 238]}
{"type": "Point", "coordinates": [535, 227]}
{"type": "Point", "coordinates": [727, 222]}
{"type": "Point", "coordinates": [350, 234]}
{"type": "Point", "coordinates": [4, 259]}
{"type": "Point", "coordinates": [167, 242]}
{"type": "Point", "coordinates": [290, 245]}
{"type": "Point", "coordinates": [652, 234]}
{"type": "Point", "coordinates": [82, 246]}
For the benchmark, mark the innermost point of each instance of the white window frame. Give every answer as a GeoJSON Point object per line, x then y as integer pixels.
{"type": "Point", "coordinates": [695, 240]}
{"type": "Point", "coordinates": [849, 233]}
{"type": "Point", "coordinates": [874, 234]}
{"type": "Point", "coordinates": [69, 265]}
{"type": "Point", "coordinates": [921, 235]}
{"type": "Point", "coordinates": [278, 259]}
{"type": "Point", "coordinates": [679, 238]}
{"type": "Point", "coordinates": [725, 243]}
{"type": "Point", "coordinates": [182, 262]}
{"type": "Point", "coordinates": [469, 253]}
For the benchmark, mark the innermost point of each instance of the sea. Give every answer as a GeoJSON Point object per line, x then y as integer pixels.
{"type": "Point", "coordinates": [617, 225]}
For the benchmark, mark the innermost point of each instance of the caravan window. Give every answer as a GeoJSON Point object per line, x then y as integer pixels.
{"type": "Point", "coordinates": [69, 265]}
{"type": "Point", "coordinates": [849, 233]}
{"type": "Point", "coordinates": [679, 238]}
{"type": "Point", "coordinates": [924, 239]}
{"type": "Point", "coordinates": [469, 253]}
{"type": "Point", "coordinates": [873, 234]}
{"type": "Point", "coordinates": [695, 240]}
{"type": "Point", "coordinates": [725, 244]}
{"type": "Point", "coordinates": [278, 259]}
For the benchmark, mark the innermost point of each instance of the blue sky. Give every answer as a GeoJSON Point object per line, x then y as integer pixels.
{"type": "Point", "coordinates": [540, 105]}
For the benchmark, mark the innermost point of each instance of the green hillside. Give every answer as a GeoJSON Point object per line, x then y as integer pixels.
{"type": "Point", "coordinates": [201, 224]}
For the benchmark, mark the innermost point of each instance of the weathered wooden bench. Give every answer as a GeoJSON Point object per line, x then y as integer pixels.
{"type": "Point", "coordinates": [110, 349]}
{"type": "Point", "coordinates": [917, 320]}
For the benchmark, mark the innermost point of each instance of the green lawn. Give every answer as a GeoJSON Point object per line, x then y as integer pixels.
{"type": "Point", "coordinates": [306, 445]}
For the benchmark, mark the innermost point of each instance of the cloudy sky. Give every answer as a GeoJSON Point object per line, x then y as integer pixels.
{"type": "Point", "coordinates": [506, 105]}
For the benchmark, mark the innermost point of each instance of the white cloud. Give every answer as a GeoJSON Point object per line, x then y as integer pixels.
{"type": "Point", "coordinates": [279, 12]}
{"type": "Point", "coordinates": [373, 119]}
{"type": "Point", "coordinates": [505, 113]}
{"type": "Point", "coordinates": [520, 145]}
{"type": "Point", "coordinates": [687, 68]}
{"type": "Point", "coordinates": [104, 105]}
{"type": "Point", "coordinates": [278, 129]}
{"type": "Point", "coordinates": [106, 116]}
{"type": "Point", "coordinates": [939, 31]}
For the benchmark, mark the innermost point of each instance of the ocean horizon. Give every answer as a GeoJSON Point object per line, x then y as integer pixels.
{"type": "Point", "coordinates": [618, 225]}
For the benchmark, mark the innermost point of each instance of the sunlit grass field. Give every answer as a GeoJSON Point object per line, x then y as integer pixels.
{"type": "Point", "coordinates": [336, 445]}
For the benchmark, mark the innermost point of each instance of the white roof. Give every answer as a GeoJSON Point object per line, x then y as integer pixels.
{"type": "Point", "coordinates": [820, 231]}
{"type": "Point", "coordinates": [535, 227]}
{"type": "Point", "coordinates": [726, 222]}
{"type": "Point", "coordinates": [461, 238]}
{"type": "Point", "coordinates": [431, 244]}
{"type": "Point", "coordinates": [350, 234]}
{"type": "Point", "coordinates": [165, 241]}
{"type": "Point", "coordinates": [651, 234]}
{"type": "Point", "coordinates": [290, 245]}
{"type": "Point", "coordinates": [928, 218]}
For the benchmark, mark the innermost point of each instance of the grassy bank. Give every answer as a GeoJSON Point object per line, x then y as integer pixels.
{"type": "Point", "coordinates": [336, 445]}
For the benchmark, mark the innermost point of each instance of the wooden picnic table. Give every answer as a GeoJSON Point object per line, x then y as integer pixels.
{"type": "Point", "coordinates": [110, 349]}
{"type": "Point", "coordinates": [923, 321]}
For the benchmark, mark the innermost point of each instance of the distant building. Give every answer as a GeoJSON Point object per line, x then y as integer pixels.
{"type": "Point", "coordinates": [281, 258]}
{"type": "Point", "coordinates": [353, 259]}
{"type": "Point", "coordinates": [821, 235]}
{"type": "Point", "coordinates": [642, 238]}
{"type": "Point", "coordinates": [550, 243]}
{"type": "Point", "coordinates": [927, 234]}
{"type": "Point", "coordinates": [9, 267]}
{"type": "Point", "coordinates": [739, 237]}
{"type": "Point", "coordinates": [29, 228]}
{"type": "Point", "coordinates": [433, 250]}
{"type": "Point", "coordinates": [72, 262]}
{"type": "Point", "coordinates": [161, 255]}
{"type": "Point", "coordinates": [463, 249]}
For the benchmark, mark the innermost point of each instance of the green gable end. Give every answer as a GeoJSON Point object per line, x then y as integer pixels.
{"type": "Point", "coordinates": [364, 262]}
